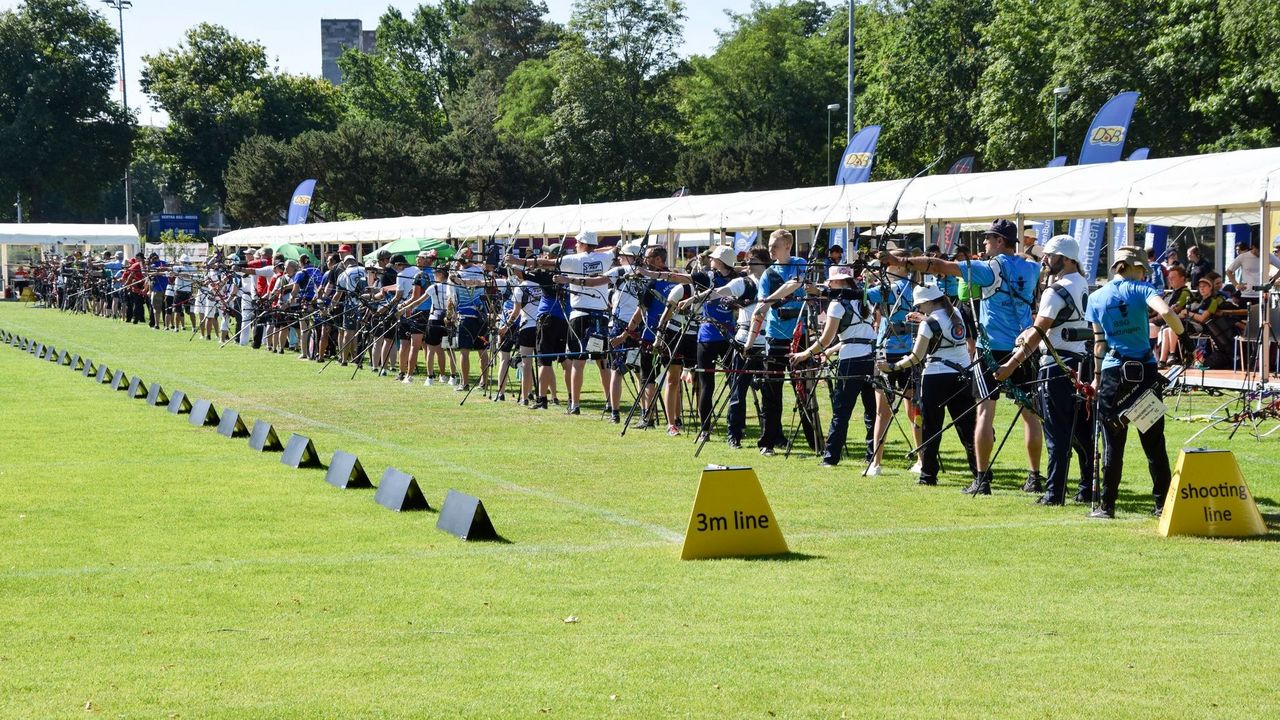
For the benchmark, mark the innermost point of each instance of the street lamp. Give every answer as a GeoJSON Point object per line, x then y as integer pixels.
{"type": "Point", "coordinates": [1058, 94]}
{"type": "Point", "coordinates": [119, 6]}
{"type": "Point", "coordinates": [830, 109]}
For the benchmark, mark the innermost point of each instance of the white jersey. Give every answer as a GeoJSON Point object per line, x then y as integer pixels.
{"type": "Point", "coordinates": [182, 280]}
{"type": "Point", "coordinates": [624, 299]}
{"type": "Point", "coordinates": [583, 298]}
{"type": "Point", "coordinates": [1053, 306]}
{"type": "Point", "coordinates": [440, 296]}
{"type": "Point", "coordinates": [950, 352]}
{"type": "Point", "coordinates": [677, 320]}
{"type": "Point", "coordinates": [404, 281]}
{"type": "Point", "coordinates": [528, 297]}
{"type": "Point", "coordinates": [859, 335]}
{"type": "Point", "coordinates": [738, 287]}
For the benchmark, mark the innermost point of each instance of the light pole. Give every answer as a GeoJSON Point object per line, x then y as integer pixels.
{"type": "Point", "coordinates": [119, 6]}
{"type": "Point", "coordinates": [1058, 94]}
{"type": "Point", "coordinates": [830, 109]}
{"type": "Point", "coordinates": [851, 68]}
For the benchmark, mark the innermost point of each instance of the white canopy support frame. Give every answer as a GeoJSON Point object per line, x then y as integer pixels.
{"type": "Point", "coordinates": [58, 234]}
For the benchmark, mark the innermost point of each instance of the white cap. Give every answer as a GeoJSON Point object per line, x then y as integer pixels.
{"type": "Point", "coordinates": [924, 294]}
{"type": "Point", "coordinates": [724, 254]}
{"type": "Point", "coordinates": [631, 248]}
{"type": "Point", "coordinates": [589, 237]}
{"type": "Point", "coordinates": [184, 259]}
{"type": "Point", "coordinates": [839, 272]}
{"type": "Point", "coordinates": [1064, 245]}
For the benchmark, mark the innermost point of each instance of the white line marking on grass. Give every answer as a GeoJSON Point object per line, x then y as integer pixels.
{"type": "Point", "coordinates": [660, 531]}
{"type": "Point", "coordinates": [318, 560]}
{"type": "Point", "coordinates": [889, 531]}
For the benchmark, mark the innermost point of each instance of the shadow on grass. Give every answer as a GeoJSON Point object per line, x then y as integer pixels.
{"type": "Point", "coordinates": [784, 557]}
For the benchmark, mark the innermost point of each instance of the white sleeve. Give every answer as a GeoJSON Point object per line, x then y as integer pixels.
{"type": "Point", "coordinates": [676, 294]}
{"type": "Point", "coordinates": [1050, 304]}
{"type": "Point", "coordinates": [835, 310]}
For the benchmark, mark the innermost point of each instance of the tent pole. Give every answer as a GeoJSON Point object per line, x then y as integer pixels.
{"type": "Point", "coordinates": [1219, 247]}
{"type": "Point", "coordinates": [1265, 297]}
{"type": "Point", "coordinates": [1130, 236]}
{"type": "Point", "coordinates": [4, 263]}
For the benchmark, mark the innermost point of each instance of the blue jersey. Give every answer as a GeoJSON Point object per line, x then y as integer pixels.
{"type": "Point", "coordinates": [552, 304]}
{"type": "Point", "coordinates": [1120, 307]}
{"type": "Point", "coordinates": [306, 281]}
{"type": "Point", "coordinates": [895, 301]}
{"type": "Point", "coordinates": [159, 283]}
{"type": "Point", "coordinates": [1008, 285]}
{"type": "Point", "coordinates": [718, 318]}
{"type": "Point", "coordinates": [780, 323]}
{"type": "Point", "coordinates": [654, 302]}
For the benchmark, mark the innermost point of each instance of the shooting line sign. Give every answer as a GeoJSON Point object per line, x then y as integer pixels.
{"type": "Point", "coordinates": [731, 517]}
{"type": "Point", "coordinates": [1208, 497]}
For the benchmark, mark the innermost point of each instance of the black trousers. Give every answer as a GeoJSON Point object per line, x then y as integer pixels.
{"type": "Point", "coordinates": [939, 394]}
{"type": "Point", "coordinates": [1115, 395]}
{"type": "Point", "coordinates": [851, 376]}
{"type": "Point", "coordinates": [777, 368]}
{"type": "Point", "coordinates": [708, 354]}
{"type": "Point", "coordinates": [869, 416]}
{"type": "Point", "coordinates": [1065, 427]}
{"type": "Point", "coordinates": [739, 387]}
{"type": "Point", "coordinates": [134, 304]}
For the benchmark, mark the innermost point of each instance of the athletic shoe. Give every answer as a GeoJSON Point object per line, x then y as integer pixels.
{"type": "Point", "coordinates": [1157, 511]}
{"type": "Point", "coordinates": [917, 468]}
{"type": "Point", "coordinates": [735, 444]}
{"type": "Point", "coordinates": [1083, 497]}
{"type": "Point", "coordinates": [540, 404]}
{"type": "Point", "coordinates": [499, 398]}
{"type": "Point", "coordinates": [703, 437]}
{"type": "Point", "coordinates": [303, 357]}
{"type": "Point", "coordinates": [427, 382]}
{"type": "Point", "coordinates": [382, 372]}
{"type": "Point", "coordinates": [766, 451]}
{"type": "Point", "coordinates": [399, 377]}
{"type": "Point", "coordinates": [462, 388]}
{"type": "Point", "coordinates": [927, 481]}
{"type": "Point", "coordinates": [873, 471]}
{"type": "Point", "coordinates": [575, 410]}
{"type": "Point", "coordinates": [645, 424]}
{"type": "Point", "coordinates": [1048, 500]}
{"type": "Point", "coordinates": [981, 485]}
{"type": "Point", "coordinates": [555, 401]}
{"type": "Point", "coordinates": [1102, 514]}
{"type": "Point", "coordinates": [1034, 483]}
{"type": "Point", "coordinates": [826, 464]}
{"type": "Point", "coordinates": [615, 417]}
{"type": "Point", "coordinates": [673, 430]}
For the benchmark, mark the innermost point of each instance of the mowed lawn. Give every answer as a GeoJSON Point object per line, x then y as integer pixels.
{"type": "Point", "coordinates": [149, 568]}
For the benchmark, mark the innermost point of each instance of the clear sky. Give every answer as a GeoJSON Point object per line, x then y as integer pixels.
{"type": "Point", "coordinates": [290, 29]}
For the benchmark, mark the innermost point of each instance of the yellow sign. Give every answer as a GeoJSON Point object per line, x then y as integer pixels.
{"type": "Point", "coordinates": [857, 160]}
{"type": "Point", "coordinates": [731, 517]}
{"type": "Point", "coordinates": [1208, 497]}
{"type": "Point", "coordinates": [1275, 225]}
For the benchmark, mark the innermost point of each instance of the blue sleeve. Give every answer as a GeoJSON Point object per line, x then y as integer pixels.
{"type": "Point", "coordinates": [1094, 302]}
{"type": "Point", "coordinates": [976, 272]}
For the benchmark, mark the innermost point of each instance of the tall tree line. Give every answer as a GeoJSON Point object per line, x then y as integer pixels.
{"type": "Point", "coordinates": [482, 103]}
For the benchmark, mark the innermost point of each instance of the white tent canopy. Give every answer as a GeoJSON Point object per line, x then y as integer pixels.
{"type": "Point", "coordinates": [67, 234]}
{"type": "Point", "coordinates": [1186, 191]}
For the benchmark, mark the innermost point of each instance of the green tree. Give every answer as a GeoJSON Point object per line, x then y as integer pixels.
{"type": "Point", "coordinates": [495, 36]}
{"type": "Point", "coordinates": [413, 71]}
{"type": "Point", "coordinates": [1244, 104]}
{"type": "Point", "coordinates": [614, 121]}
{"type": "Point", "coordinates": [928, 71]}
{"type": "Point", "coordinates": [260, 175]}
{"type": "Point", "coordinates": [62, 138]}
{"type": "Point", "coordinates": [219, 91]}
{"type": "Point", "coordinates": [754, 111]}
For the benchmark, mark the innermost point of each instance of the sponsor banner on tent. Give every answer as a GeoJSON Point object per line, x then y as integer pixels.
{"type": "Point", "coordinates": [300, 203]}
{"type": "Point", "coordinates": [1103, 143]}
{"type": "Point", "coordinates": [855, 167]}
{"type": "Point", "coordinates": [951, 231]}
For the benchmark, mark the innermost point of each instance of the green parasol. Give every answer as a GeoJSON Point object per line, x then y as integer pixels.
{"type": "Point", "coordinates": [411, 247]}
{"type": "Point", "coordinates": [289, 251]}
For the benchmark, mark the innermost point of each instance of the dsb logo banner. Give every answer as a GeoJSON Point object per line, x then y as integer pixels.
{"type": "Point", "coordinates": [1107, 135]}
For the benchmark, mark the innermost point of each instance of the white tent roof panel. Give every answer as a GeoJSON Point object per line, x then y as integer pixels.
{"type": "Point", "coordinates": [67, 234]}
{"type": "Point", "coordinates": [1182, 191]}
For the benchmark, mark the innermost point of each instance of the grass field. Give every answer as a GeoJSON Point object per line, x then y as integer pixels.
{"type": "Point", "coordinates": [153, 569]}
